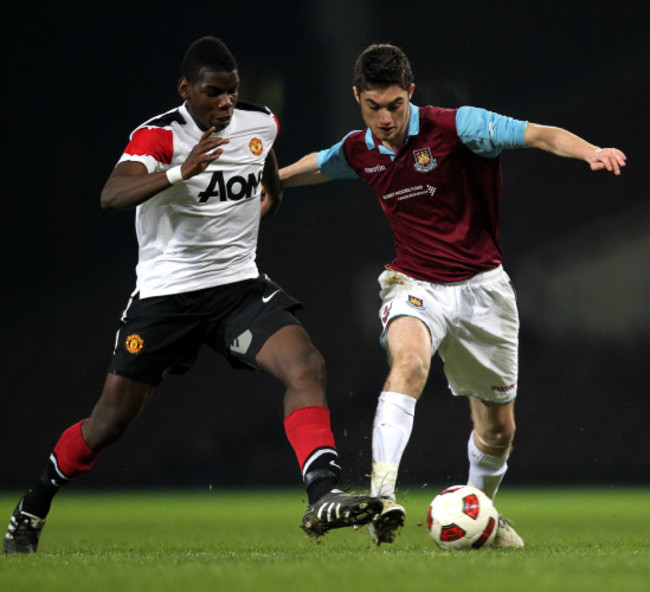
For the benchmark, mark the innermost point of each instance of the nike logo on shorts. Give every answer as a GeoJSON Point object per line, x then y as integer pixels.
{"type": "Point", "coordinates": [267, 298]}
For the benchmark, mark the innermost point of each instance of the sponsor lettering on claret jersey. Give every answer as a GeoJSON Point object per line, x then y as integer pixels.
{"type": "Point", "coordinates": [410, 192]}
{"type": "Point", "coordinates": [235, 188]}
{"type": "Point", "coordinates": [376, 169]}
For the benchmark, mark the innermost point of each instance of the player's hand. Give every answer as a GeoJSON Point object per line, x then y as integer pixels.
{"type": "Point", "coordinates": [206, 151]}
{"type": "Point", "coordinates": [610, 159]}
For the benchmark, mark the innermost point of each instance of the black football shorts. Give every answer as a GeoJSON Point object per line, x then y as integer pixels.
{"type": "Point", "coordinates": [162, 335]}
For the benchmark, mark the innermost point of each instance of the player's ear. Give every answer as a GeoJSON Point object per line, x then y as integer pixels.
{"type": "Point", "coordinates": [184, 88]}
{"type": "Point", "coordinates": [356, 94]}
{"type": "Point", "coordinates": [411, 90]}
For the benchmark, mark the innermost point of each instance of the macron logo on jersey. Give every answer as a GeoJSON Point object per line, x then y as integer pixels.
{"type": "Point", "coordinates": [376, 169]}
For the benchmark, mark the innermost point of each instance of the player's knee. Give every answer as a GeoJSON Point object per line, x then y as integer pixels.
{"type": "Point", "coordinates": [304, 376]}
{"type": "Point", "coordinates": [413, 368]}
{"type": "Point", "coordinates": [309, 367]}
{"type": "Point", "coordinates": [498, 436]}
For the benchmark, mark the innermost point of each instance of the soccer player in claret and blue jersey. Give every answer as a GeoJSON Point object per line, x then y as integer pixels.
{"type": "Point", "coordinates": [437, 176]}
{"type": "Point", "coordinates": [194, 176]}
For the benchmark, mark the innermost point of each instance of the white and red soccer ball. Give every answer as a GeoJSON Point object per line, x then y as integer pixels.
{"type": "Point", "coordinates": [462, 517]}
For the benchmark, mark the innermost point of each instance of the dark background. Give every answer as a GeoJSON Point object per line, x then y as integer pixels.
{"type": "Point", "coordinates": [78, 78]}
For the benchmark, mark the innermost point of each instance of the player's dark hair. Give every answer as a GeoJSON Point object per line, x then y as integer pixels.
{"type": "Point", "coordinates": [207, 53]}
{"type": "Point", "coordinates": [382, 65]}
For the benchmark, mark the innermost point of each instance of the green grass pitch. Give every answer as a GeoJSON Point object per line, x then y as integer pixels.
{"type": "Point", "coordinates": [576, 539]}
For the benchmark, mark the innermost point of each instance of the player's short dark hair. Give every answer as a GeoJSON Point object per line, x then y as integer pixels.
{"type": "Point", "coordinates": [382, 65]}
{"type": "Point", "coordinates": [207, 53]}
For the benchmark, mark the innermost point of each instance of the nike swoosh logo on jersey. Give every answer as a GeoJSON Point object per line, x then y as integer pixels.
{"type": "Point", "coordinates": [267, 298]}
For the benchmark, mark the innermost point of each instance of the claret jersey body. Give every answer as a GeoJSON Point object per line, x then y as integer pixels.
{"type": "Point", "coordinates": [440, 192]}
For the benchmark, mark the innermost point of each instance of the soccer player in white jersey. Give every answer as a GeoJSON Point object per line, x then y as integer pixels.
{"type": "Point", "coordinates": [437, 176]}
{"type": "Point", "coordinates": [195, 175]}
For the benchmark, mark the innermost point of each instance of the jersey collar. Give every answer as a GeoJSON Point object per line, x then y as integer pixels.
{"type": "Point", "coordinates": [413, 130]}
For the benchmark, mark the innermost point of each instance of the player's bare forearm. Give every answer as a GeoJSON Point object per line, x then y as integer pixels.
{"type": "Point", "coordinates": [557, 141]}
{"type": "Point", "coordinates": [564, 143]}
{"type": "Point", "coordinates": [271, 187]}
{"type": "Point", "coordinates": [302, 172]}
{"type": "Point", "coordinates": [130, 184]}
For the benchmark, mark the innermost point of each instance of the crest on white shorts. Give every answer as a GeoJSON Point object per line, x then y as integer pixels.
{"type": "Point", "coordinates": [415, 302]}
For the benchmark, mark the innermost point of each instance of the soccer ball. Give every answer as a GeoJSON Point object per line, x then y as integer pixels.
{"type": "Point", "coordinates": [462, 517]}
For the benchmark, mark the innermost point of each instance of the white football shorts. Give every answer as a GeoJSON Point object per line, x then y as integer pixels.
{"type": "Point", "coordinates": [474, 326]}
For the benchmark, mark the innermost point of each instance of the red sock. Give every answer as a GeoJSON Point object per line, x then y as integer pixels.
{"type": "Point", "coordinates": [73, 456]}
{"type": "Point", "coordinates": [308, 430]}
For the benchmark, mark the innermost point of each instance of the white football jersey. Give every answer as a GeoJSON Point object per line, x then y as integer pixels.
{"type": "Point", "coordinates": [201, 232]}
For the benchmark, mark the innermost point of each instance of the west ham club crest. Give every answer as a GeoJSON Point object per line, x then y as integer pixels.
{"type": "Point", "coordinates": [424, 162]}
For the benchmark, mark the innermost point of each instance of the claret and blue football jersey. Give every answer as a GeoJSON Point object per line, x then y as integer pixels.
{"type": "Point", "coordinates": [440, 192]}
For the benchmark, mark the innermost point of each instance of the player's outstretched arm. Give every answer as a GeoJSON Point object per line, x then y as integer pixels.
{"type": "Point", "coordinates": [563, 143]}
{"type": "Point", "coordinates": [302, 172]}
{"type": "Point", "coordinates": [130, 184]}
{"type": "Point", "coordinates": [271, 187]}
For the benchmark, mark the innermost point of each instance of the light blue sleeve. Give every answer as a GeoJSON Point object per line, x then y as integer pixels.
{"type": "Point", "coordinates": [332, 163]}
{"type": "Point", "coordinates": [486, 133]}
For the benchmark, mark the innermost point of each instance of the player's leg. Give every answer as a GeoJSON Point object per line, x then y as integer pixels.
{"type": "Point", "coordinates": [490, 443]}
{"type": "Point", "coordinates": [74, 454]}
{"type": "Point", "coordinates": [121, 402]}
{"type": "Point", "coordinates": [481, 361]}
{"type": "Point", "coordinates": [413, 319]}
{"type": "Point", "coordinates": [154, 336]}
{"type": "Point", "coordinates": [484, 363]}
{"type": "Point", "coordinates": [488, 450]}
{"type": "Point", "coordinates": [408, 342]}
{"type": "Point", "coordinates": [290, 356]}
